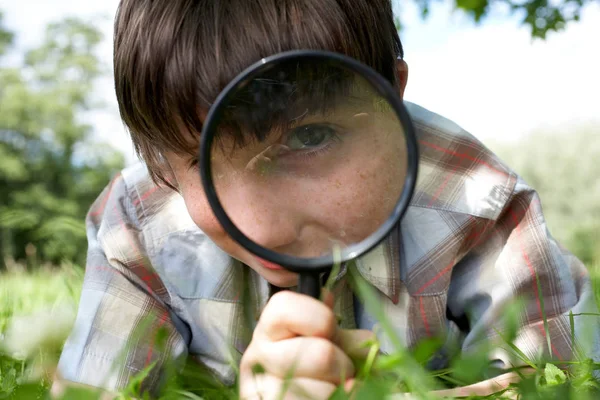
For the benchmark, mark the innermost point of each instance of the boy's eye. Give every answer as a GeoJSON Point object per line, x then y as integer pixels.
{"type": "Point", "coordinates": [309, 136]}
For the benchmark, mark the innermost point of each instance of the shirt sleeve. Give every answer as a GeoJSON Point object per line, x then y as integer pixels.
{"type": "Point", "coordinates": [519, 259]}
{"type": "Point", "coordinates": [123, 324]}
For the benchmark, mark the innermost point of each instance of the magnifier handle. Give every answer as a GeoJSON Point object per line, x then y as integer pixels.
{"type": "Point", "coordinates": [310, 285]}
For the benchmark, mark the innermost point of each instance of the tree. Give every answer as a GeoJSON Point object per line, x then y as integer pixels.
{"type": "Point", "coordinates": [541, 16]}
{"type": "Point", "coordinates": [6, 37]}
{"type": "Point", "coordinates": [50, 169]}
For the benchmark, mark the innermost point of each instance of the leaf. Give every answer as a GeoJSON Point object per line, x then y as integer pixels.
{"type": "Point", "coordinates": [8, 380]}
{"type": "Point", "coordinates": [425, 349]}
{"type": "Point", "coordinates": [471, 367]}
{"type": "Point", "coordinates": [518, 352]}
{"type": "Point", "coordinates": [477, 8]}
{"type": "Point", "coordinates": [387, 362]}
{"type": "Point", "coordinates": [134, 387]}
{"type": "Point", "coordinates": [554, 375]}
{"type": "Point", "coordinates": [76, 393]}
{"type": "Point", "coordinates": [30, 391]}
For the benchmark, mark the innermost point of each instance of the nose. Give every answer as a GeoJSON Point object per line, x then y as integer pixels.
{"type": "Point", "coordinates": [262, 214]}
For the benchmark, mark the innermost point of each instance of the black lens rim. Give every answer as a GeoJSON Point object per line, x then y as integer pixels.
{"type": "Point", "coordinates": [317, 264]}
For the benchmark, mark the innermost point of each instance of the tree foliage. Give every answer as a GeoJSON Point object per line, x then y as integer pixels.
{"type": "Point", "coordinates": [50, 168]}
{"type": "Point", "coordinates": [540, 16]}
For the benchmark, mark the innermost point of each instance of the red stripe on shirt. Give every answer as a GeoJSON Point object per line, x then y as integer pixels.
{"type": "Point", "coordinates": [424, 317]}
{"type": "Point", "coordinates": [533, 275]}
{"type": "Point", "coordinates": [149, 278]}
{"type": "Point", "coordinates": [145, 195]}
{"type": "Point", "coordinates": [442, 186]}
{"type": "Point", "coordinates": [100, 209]}
{"type": "Point", "coordinates": [462, 156]}
{"type": "Point", "coordinates": [435, 278]}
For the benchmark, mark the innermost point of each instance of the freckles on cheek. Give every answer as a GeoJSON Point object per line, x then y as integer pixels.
{"type": "Point", "coordinates": [204, 218]}
{"type": "Point", "coordinates": [199, 209]}
{"type": "Point", "coordinates": [198, 215]}
{"type": "Point", "coordinates": [364, 197]}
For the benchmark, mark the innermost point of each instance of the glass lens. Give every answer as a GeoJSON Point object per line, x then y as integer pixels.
{"type": "Point", "coordinates": [308, 157]}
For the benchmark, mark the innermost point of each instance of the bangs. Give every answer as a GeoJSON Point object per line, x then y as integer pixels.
{"type": "Point", "coordinates": [173, 58]}
{"type": "Point", "coordinates": [279, 98]}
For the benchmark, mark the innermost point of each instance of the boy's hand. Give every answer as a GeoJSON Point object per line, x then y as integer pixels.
{"type": "Point", "coordinates": [297, 336]}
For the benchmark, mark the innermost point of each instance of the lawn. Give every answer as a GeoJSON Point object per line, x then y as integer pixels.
{"type": "Point", "coordinates": [37, 310]}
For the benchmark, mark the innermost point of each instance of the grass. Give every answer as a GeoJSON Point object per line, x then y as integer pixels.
{"type": "Point", "coordinates": [37, 310]}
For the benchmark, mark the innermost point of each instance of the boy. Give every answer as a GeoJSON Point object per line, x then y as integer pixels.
{"type": "Point", "coordinates": [473, 239]}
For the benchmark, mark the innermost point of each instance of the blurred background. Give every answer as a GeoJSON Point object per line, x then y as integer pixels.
{"type": "Point", "coordinates": [521, 76]}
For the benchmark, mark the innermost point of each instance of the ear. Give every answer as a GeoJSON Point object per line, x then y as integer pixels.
{"type": "Point", "coordinates": [402, 75]}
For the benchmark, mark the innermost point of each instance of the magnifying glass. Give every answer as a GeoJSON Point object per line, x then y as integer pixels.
{"type": "Point", "coordinates": [308, 159]}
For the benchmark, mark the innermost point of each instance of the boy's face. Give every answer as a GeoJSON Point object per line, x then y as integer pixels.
{"type": "Point", "coordinates": [336, 180]}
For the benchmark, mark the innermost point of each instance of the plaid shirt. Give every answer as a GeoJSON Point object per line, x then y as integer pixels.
{"type": "Point", "coordinates": [473, 239]}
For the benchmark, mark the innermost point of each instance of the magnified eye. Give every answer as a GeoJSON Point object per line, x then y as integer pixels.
{"type": "Point", "coordinates": [309, 136]}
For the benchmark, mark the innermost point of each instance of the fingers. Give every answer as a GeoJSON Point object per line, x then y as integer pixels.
{"type": "Point", "coordinates": [267, 387]}
{"type": "Point", "coordinates": [305, 357]}
{"type": "Point", "coordinates": [290, 314]}
{"type": "Point", "coordinates": [297, 336]}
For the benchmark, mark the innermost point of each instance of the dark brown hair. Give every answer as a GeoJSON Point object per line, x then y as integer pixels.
{"type": "Point", "coordinates": [173, 57]}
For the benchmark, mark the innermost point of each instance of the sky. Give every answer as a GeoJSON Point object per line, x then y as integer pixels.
{"type": "Point", "coordinates": [492, 78]}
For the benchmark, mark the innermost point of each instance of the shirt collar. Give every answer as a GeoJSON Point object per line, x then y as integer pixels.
{"type": "Point", "coordinates": [381, 267]}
